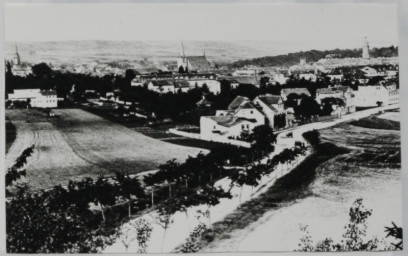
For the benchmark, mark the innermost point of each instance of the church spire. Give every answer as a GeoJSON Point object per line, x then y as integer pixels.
{"type": "Point", "coordinates": [366, 48]}
{"type": "Point", "coordinates": [182, 50]}
{"type": "Point", "coordinates": [16, 59]}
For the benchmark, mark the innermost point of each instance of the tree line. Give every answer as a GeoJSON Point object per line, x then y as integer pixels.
{"type": "Point", "coordinates": [84, 216]}
{"type": "Point", "coordinates": [313, 56]}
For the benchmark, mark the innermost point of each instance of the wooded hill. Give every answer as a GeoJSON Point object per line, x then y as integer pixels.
{"type": "Point", "coordinates": [314, 55]}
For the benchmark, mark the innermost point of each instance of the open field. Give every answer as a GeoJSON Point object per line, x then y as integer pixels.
{"type": "Point", "coordinates": [79, 144]}
{"type": "Point", "coordinates": [319, 193]}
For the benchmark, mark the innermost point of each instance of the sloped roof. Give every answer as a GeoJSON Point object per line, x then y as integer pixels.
{"type": "Point", "coordinates": [229, 121]}
{"type": "Point", "coordinates": [181, 84]}
{"type": "Point", "coordinates": [342, 88]}
{"type": "Point", "coordinates": [198, 63]}
{"type": "Point", "coordinates": [247, 80]}
{"type": "Point", "coordinates": [237, 102]}
{"type": "Point", "coordinates": [325, 91]}
{"type": "Point", "coordinates": [247, 105]}
{"type": "Point", "coordinates": [203, 102]}
{"type": "Point", "coordinates": [298, 91]}
{"type": "Point", "coordinates": [161, 82]}
{"type": "Point", "coordinates": [270, 99]}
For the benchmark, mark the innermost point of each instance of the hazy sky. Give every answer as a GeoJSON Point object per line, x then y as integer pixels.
{"type": "Point", "coordinates": [326, 25]}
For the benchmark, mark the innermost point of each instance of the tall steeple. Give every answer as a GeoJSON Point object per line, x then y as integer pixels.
{"type": "Point", "coordinates": [366, 48]}
{"type": "Point", "coordinates": [182, 50]}
{"type": "Point", "coordinates": [16, 59]}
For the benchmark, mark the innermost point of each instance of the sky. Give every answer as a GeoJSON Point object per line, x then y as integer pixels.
{"type": "Point", "coordinates": [337, 25]}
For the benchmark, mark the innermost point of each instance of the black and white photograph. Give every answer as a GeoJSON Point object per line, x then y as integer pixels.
{"type": "Point", "coordinates": [202, 127]}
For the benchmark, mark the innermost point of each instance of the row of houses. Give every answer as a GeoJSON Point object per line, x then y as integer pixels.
{"type": "Point", "coordinates": [243, 115]}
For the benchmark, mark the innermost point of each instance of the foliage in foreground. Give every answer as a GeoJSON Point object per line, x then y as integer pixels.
{"type": "Point", "coordinates": [354, 237]}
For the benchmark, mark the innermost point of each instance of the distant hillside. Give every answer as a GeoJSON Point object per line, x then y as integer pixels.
{"type": "Point", "coordinates": [314, 55]}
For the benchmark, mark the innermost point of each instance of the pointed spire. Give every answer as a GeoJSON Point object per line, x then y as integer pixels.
{"type": "Point", "coordinates": [16, 48]}
{"type": "Point", "coordinates": [182, 49]}
{"type": "Point", "coordinates": [204, 53]}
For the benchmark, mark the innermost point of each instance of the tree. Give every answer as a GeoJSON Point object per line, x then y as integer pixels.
{"type": "Point", "coordinates": [130, 74]}
{"type": "Point", "coordinates": [329, 103]}
{"type": "Point", "coordinates": [395, 232]}
{"type": "Point", "coordinates": [41, 70]}
{"type": "Point", "coordinates": [181, 70]}
{"type": "Point", "coordinates": [15, 172]}
{"type": "Point", "coordinates": [143, 230]}
{"type": "Point", "coordinates": [307, 108]}
{"type": "Point", "coordinates": [262, 138]}
{"type": "Point", "coordinates": [313, 137]}
{"type": "Point", "coordinates": [354, 237]}
{"type": "Point", "coordinates": [130, 189]}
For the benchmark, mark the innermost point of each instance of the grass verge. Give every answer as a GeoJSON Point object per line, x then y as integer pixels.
{"type": "Point", "coordinates": [374, 122]}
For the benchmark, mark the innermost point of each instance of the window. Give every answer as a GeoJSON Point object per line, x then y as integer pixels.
{"type": "Point", "coordinates": [252, 112]}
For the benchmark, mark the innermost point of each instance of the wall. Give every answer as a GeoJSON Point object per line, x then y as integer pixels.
{"type": "Point", "coordinates": [214, 137]}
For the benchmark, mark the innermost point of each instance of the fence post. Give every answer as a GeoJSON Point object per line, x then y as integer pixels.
{"type": "Point", "coordinates": [152, 197]}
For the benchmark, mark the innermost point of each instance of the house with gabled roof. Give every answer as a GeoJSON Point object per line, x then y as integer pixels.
{"type": "Point", "coordinates": [270, 105]}
{"type": "Point", "coordinates": [241, 116]}
{"type": "Point", "coordinates": [382, 93]}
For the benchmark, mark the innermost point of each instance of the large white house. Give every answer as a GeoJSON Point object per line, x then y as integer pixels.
{"type": "Point", "coordinates": [241, 115]}
{"type": "Point", "coordinates": [270, 105]}
{"type": "Point", "coordinates": [38, 98]}
{"type": "Point", "coordinates": [381, 93]}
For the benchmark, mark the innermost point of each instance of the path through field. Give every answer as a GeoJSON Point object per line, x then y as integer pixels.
{"type": "Point", "coordinates": [79, 144]}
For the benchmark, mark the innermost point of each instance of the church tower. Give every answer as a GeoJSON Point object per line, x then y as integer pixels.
{"type": "Point", "coordinates": [366, 54]}
{"type": "Point", "coordinates": [16, 58]}
{"type": "Point", "coordinates": [182, 60]}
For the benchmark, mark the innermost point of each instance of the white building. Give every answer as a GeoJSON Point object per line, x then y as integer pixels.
{"type": "Point", "coordinates": [161, 86]}
{"type": "Point", "coordinates": [270, 105]}
{"type": "Point", "coordinates": [213, 85]}
{"type": "Point", "coordinates": [38, 98]}
{"type": "Point", "coordinates": [279, 78]}
{"type": "Point", "coordinates": [378, 94]}
{"type": "Point", "coordinates": [226, 126]}
{"type": "Point", "coordinates": [240, 116]}
{"type": "Point", "coordinates": [371, 72]}
{"type": "Point", "coordinates": [308, 76]}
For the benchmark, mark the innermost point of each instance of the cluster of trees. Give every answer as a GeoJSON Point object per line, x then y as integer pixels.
{"type": "Point", "coordinates": [76, 218]}
{"type": "Point", "coordinates": [328, 103]}
{"type": "Point", "coordinates": [314, 55]}
{"type": "Point", "coordinates": [354, 237]}
{"type": "Point", "coordinates": [84, 216]}
{"type": "Point", "coordinates": [279, 121]}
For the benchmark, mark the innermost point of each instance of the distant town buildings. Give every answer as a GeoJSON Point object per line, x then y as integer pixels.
{"type": "Point", "coordinates": [363, 61]}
